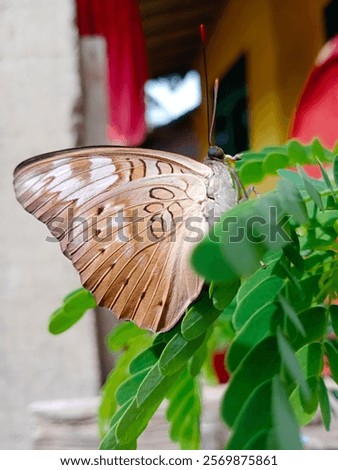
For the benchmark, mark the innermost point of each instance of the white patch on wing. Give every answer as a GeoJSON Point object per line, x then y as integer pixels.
{"type": "Point", "coordinates": [99, 161]}
{"type": "Point", "coordinates": [37, 184]}
{"type": "Point", "coordinates": [91, 190]}
{"type": "Point", "coordinates": [27, 184]}
{"type": "Point", "coordinates": [57, 163]}
{"type": "Point", "coordinates": [101, 172]}
{"type": "Point", "coordinates": [101, 167]}
{"type": "Point", "coordinates": [64, 170]}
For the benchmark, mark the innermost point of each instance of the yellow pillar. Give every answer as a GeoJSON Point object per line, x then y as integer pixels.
{"type": "Point", "coordinates": [280, 39]}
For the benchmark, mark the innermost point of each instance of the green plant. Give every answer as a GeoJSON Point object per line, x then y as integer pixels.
{"type": "Point", "coordinates": [271, 292]}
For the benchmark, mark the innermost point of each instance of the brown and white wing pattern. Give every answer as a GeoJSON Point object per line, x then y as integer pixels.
{"type": "Point", "coordinates": [127, 219]}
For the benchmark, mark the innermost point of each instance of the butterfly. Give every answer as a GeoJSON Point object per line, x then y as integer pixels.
{"type": "Point", "coordinates": [128, 219]}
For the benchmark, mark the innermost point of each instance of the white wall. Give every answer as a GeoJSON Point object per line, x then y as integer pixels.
{"type": "Point", "coordinates": [39, 90]}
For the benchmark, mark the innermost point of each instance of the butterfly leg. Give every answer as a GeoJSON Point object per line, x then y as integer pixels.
{"type": "Point", "coordinates": [242, 193]}
{"type": "Point", "coordinates": [250, 190]}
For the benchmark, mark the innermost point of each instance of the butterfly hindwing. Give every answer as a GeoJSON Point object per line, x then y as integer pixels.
{"type": "Point", "coordinates": [124, 218]}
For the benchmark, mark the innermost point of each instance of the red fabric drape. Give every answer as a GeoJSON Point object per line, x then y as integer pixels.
{"type": "Point", "coordinates": [119, 22]}
{"type": "Point", "coordinates": [317, 111]}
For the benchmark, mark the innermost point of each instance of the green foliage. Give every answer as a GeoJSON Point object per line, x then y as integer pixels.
{"type": "Point", "coordinates": [324, 403]}
{"type": "Point", "coordinates": [74, 307]}
{"type": "Point", "coordinates": [184, 410]}
{"type": "Point", "coordinates": [272, 267]}
{"type": "Point", "coordinates": [167, 365]}
{"type": "Point", "coordinates": [280, 320]}
{"type": "Point", "coordinates": [254, 167]}
{"type": "Point", "coordinates": [128, 340]}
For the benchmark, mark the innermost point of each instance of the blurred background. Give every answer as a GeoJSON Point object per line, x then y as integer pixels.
{"type": "Point", "coordinates": [129, 72]}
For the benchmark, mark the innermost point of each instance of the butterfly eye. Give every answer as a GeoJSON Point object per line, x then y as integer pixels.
{"type": "Point", "coordinates": [215, 153]}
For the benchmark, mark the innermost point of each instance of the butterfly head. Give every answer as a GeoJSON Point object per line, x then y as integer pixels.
{"type": "Point", "coordinates": [216, 153]}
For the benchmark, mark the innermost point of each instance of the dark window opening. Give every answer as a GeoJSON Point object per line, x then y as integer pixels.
{"type": "Point", "coordinates": [231, 130]}
{"type": "Point", "coordinates": [331, 19]}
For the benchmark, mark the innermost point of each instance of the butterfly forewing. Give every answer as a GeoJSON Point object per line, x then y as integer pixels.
{"type": "Point", "coordinates": [125, 218]}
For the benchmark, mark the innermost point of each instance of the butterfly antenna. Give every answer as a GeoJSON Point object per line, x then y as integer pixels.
{"type": "Point", "coordinates": [212, 124]}
{"type": "Point", "coordinates": [206, 83]}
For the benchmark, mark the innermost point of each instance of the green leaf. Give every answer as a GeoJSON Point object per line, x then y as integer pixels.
{"type": "Point", "coordinates": [332, 355]}
{"type": "Point", "coordinates": [259, 365]}
{"type": "Point", "coordinates": [276, 148]}
{"type": "Point", "coordinates": [324, 404]}
{"type": "Point", "coordinates": [310, 358]}
{"type": "Point", "coordinates": [176, 395]}
{"type": "Point", "coordinates": [271, 267]}
{"type": "Point", "coordinates": [199, 317]}
{"type": "Point", "coordinates": [184, 408]}
{"type": "Point", "coordinates": [119, 413]}
{"type": "Point", "coordinates": [292, 177]}
{"type": "Point", "coordinates": [314, 323]}
{"type": "Point", "coordinates": [237, 243]}
{"type": "Point", "coordinates": [266, 416]}
{"type": "Point", "coordinates": [253, 418]}
{"type": "Point", "coordinates": [74, 307]}
{"type": "Point", "coordinates": [291, 314]}
{"type": "Point", "coordinates": [79, 299]}
{"type": "Point", "coordinates": [190, 432]}
{"type": "Point", "coordinates": [249, 155]}
{"type": "Point", "coordinates": [60, 322]}
{"type": "Point", "coordinates": [208, 261]}
{"type": "Point", "coordinates": [301, 293]}
{"type": "Point", "coordinates": [108, 403]}
{"type": "Point", "coordinates": [131, 424]}
{"type": "Point", "coordinates": [241, 248]}
{"type": "Point", "coordinates": [327, 180]}
{"type": "Point", "coordinates": [264, 293]}
{"type": "Point", "coordinates": [121, 335]}
{"type": "Point", "coordinates": [291, 363]}
{"type": "Point", "coordinates": [321, 238]}
{"type": "Point", "coordinates": [251, 172]}
{"type": "Point", "coordinates": [110, 441]}
{"type": "Point", "coordinates": [297, 180]}
{"type": "Point", "coordinates": [297, 153]}
{"type": "Point", "coordinates": [128, 389]}
{"type": "Point", "coordinates": [222, 293]}
{"type": "Point", "coordinates": [327, 218]}
{"type": "Point", "coordinates": [292, 201]}
{"type": "Point", "coordinates": [285, 433]}
{"type": "Point", "coordinates": [177, 352]}
{"type": "Point", "coordinates": [154, 387]}
{"type": "Point", "coordinates": [330, 203]}
{"type": "Point", "coordinates": [318, 150]}
{"type": "Point", "coordinates": [304, 415]}
{"type": "Point", "coordinates": [322, 153]}
{"type": "Point", "coordinates": [149, 396]}
{"type": "Point", "coordinates": [117, 376]}
{"type": "Point", "coordinates": [335, 170]}
{"type": "Point", "coordinates": [310, 188]}
{"type": "Point", "coordinates": [334, 317]}
{"type": "Point", "coordinates": [274, 228]}
{"type": "Point", "coordinates": [146, 358]}
{"type": "Point", "coordinates": [258, 441]}
{"type": "Point", "coordinates": [184, 412]}
{"type": "Point", "coordinates": [200, 356]}
{"type": "Point", "coordinates": [167, 336]}
{"type": "Point", "coordinates": [275, 161]}
{"type": "Point", "coordinates": [310, 405]}
{"type": "Point", "coordinates": [262, 324]}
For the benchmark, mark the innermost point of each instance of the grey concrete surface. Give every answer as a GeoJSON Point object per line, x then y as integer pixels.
{"type": "Point", "coordinates": [39, 94]}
